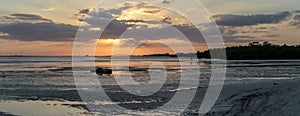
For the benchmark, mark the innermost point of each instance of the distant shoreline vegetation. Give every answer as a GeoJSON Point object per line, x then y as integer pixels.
{"type": "Point", "coordinates": [256, 51]}
{"type": "Point", "coordinates": [149, 55]}
{"type": "Point", "coordinates": [160, 55]}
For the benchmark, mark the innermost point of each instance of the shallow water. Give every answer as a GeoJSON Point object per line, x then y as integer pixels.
{"type": "Point", "coordinates": [39, 108]}
{"type": "Point", "coordinates": [35, 81]}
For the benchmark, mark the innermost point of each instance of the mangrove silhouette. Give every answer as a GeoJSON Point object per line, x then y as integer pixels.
{"type": "Point", "coordinates": [255, 51]}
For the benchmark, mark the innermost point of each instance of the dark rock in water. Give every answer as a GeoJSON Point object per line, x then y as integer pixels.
{"type": "Point", "coordinates": [101, 71]}
{"type": "Point", "coordinates": [275, 84]}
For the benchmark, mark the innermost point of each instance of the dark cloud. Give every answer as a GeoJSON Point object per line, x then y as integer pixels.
{"type": "Point", "coordinates": [24, 18]}
{"type": "Point", "coordinates": [31, 27]}
{"type": "Point", "coordinates": [39, 32]}
{"type": "Point", "coordinates": [104, 14]}
{"type": "Point", "coordinates": [84, 11]}
{"type": "Point", "coordinates": [259, 31]}
{"type": "Point", "coordinates": [297, 17]}
{"type": "Point", "coordinates": [295, 21]}
{"type": "Point", "coordinates": [116, 28]}
{"type": "Point", "coordinates": [166, 1]}
{"type": "Point", "coordinates": [128, 29]}
{"type": "Point", "coordinates": [140, 30]}
{"type": "Point", "coordinates": [109, 13]}
{"type": "Point", "coordinates": [81, 13]}
{"type": "Point", "coordinates": [97, 16]}
{"type": "Point", "coordinates": [243, 20]}
{"type": "Point", "coordinates": [152, 10]}
{"type": "Point", "coordinates": [176, 31]}
{"type": "Point", "coordinates": [238, 39]}
{"type": "Point", "coordinates": [167, 20]}
{"type": "Point", "coordinates": [153, 45]}
{"type": "Point", "coordinates": [272, 35]}
{"type": "Point", "coordinates": [229, 31]}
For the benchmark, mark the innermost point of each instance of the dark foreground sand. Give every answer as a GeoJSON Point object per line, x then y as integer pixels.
{"type": "Point", "coordinates": [264, 97]}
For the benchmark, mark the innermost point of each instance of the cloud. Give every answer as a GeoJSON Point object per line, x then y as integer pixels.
{"type": "Point", "coordinates": [81, 13]}
{"type": "Point", "coordinates": [272, 35]}
{"type": "Point", "coordinates": [39, 32]}
{"type": "Point", "coordinates": [295, 20]}
{"type": "Point", "coordinates": [23, 18]}
{"type": "Point", "coordinates": [31, 27]}
{"type": "Point", "coordinates": [234, 28]}
{"type": "Point", "coordinates": [141, 29]}
{"type": "Point", "coordinates": [91, 17]}
{"type": "Point", "coordinates": [126, 14]}
{"type": "Point", "coordinates": [115, 29]}
{"type": "Point", "coordinates": [84, 11]}
{"type": "Point", "coordinates": [247, 20]}
{"type": "Point", "coordinates": [48, 9]}
{"type": "Point", "coordinates": [166, 1]}
{"type": "Point", "coordinates": [262, 27]}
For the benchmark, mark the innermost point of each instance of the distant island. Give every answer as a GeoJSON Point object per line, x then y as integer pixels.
{"type": "Point", "coordinates": [160, 55]}
{"type": "Point", "coordinates": [256, 51]}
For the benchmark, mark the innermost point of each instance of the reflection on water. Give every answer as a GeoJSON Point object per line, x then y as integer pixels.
{"type": "Point", "coordinates": [40, 108]}
{"type": "Point", "coordinates": [49, 72]}
{"type": "Point", "coordinates": [36, 80]}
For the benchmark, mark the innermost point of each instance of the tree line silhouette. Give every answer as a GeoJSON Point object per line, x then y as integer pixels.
{"type": "Point", "coordinates": [255, 51]}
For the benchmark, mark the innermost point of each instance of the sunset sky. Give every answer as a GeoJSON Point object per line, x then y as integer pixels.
{"type": "Point", "coordinates": [48, 28]}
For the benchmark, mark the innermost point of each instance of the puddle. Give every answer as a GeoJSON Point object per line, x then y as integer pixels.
{"type": "Point", "coordinates": [41, 108]}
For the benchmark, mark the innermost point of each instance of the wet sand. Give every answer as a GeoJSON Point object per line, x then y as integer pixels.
{"type": "Point", "coordinates": [238, 97]}
{"type": "Point", "coordinates": [264, 97]}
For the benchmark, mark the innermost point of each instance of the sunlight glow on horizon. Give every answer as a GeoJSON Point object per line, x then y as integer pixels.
{"type": "Point", "coordinates": [66, 16]}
